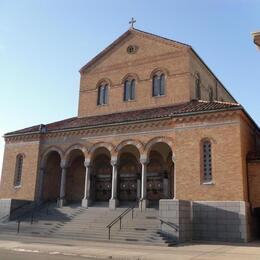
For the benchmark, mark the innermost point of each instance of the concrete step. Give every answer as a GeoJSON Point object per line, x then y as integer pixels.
{"type": "Point", "coordinates": [90, 224]}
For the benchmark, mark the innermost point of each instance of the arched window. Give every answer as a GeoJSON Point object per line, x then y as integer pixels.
{"type": "Point", "coordinates": [129, 89]}
{"type": "Point", "coordinates": [18, 170]}
{"type": "Point", "coordinates": [197, 87]}
{"type": "Point", "coordinates": [102, 94]}
{"type": "Point", "coordinates": [207, 161]}
{"type": "Point", "coordinates": [210, 94]}
{"type": "Point", "coordinates": [158, 84]}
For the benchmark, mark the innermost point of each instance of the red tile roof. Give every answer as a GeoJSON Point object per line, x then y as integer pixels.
{"type": "Point", "coordinates": [175, 110]}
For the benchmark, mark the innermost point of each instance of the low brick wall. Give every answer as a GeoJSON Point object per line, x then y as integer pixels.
{"type": "Point", "coordinates": [225, 221]}
{"type": "Point", "coordinates": [177, 213]}
{"type": "Point", "coordinates": [5, 208]}
{"type": "Point", "coordinates": [11, 209]}
{"type": "Point", "coordinates": [220, 221]}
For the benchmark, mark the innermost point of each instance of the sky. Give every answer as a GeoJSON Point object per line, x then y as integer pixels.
{"type": "Point", "coordinates": [43, 44]}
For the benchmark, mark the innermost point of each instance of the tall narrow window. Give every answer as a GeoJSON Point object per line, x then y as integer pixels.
{"type": "Point", "coordinates": [129, 90]}
{"type": "Point", "coordinates": [102, 94]}
{"type": "Point", "coordinates": [18, 170]}
{"type": "Point", "coordinates": [197, 87]}
{"type": "Point", "coordinates": [158, 85]}
{"type": "Point", "coordinates": [207, 161]}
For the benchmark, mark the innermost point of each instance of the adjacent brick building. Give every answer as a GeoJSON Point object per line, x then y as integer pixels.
{"type": "Point", "coordinates": [256, 36]}
{"type": "Point", "coordinates": [154, 124]}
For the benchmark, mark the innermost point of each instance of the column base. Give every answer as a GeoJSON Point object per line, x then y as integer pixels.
{"type": "Point", "coordinates": [86, 203]}
{"type": "Point", "coordinates": [113, 203]}
{"type": "Point", "coordinates": [143, 204]}
{"type": "Point", "coordinates": [61, 203]}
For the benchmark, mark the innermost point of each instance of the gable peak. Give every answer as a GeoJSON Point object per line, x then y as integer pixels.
{"type": "Point", "coordinates": [134, 31]}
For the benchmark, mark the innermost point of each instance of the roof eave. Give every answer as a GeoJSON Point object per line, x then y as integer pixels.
{"type": "Point", "coordinates": [170, 116]}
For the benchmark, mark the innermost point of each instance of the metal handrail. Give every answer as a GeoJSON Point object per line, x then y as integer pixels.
{"type": "Point", "coordinates": [168, 223]}
{"type": "Point", "coordinates": [36, 207]}
{"type": "Point", "coordinates": [119, 218]}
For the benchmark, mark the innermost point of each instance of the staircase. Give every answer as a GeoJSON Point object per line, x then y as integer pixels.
{"type": "Point", "coordinates": [75, 222]}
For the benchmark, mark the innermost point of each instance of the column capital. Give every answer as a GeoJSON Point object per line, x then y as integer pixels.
{"type": "Point", "coordinates": [173, 157]}
{"type": "Point", "coordinates": [113, 161]}
{"type": "Point", "coordinates": [63, 164]}
{"type": "Point", "coordinates": [143, 159]}
{"type": "Point", "coordinates": [87, 162]}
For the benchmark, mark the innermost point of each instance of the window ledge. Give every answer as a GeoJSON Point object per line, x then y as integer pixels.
{"type": "Point", "coordinates": [159, 96]}
{"type": "Point", "coordinates": [208, 183]}
{"type": "Point", "coordinates": [101, 105]}
{"type": "Point", "coordinates": [18, 186]}
{"type": "Point", "coordinates": [130, 100]}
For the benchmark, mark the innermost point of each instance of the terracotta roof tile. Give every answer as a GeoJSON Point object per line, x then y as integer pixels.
{"type": "Point", "coordinates": [137, 115]}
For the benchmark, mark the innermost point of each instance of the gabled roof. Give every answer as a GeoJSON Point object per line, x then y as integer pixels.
{"type": "Point", "coordinates": [182, 109]}
{"type": "Point", "coordinates": [122, 37]}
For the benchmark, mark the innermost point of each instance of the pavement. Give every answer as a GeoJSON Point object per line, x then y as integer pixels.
{"type": "Point", "coordinates": [16, 255]}
{"type": "Point", "coordinates": [19, 247]}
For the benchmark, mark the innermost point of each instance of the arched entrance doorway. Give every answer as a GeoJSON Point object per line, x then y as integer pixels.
{"type": "Point", "coordinates": [160, 173]}
{"type": "Point", "coordinates": [51, 177]}
{"type": "Point", "coordinates": [129, 178]}
{"type": "Point", "coordinates": [129, 175]}
{"type": "Point", "coordinates": [75, 177]}
{"type": "Point", "coordinates": [101, 176]}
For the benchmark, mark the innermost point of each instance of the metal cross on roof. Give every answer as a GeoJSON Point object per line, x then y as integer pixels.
{"type": "Point", "coordinates": [132, 22]}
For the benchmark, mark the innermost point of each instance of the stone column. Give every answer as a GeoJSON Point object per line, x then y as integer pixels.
{"type": "Point", "coordinates": [86, 200]}
{"type": "Point", "coordinates": [143, 201]}
{"type": "Point", "coordinates": [174, 177]}
{"type": "Point", "coordinates": [41, 180]}
{"type": "Point", "coordinates": [166, 188]}
{"type": "Point", "coordinates": [61, 201]}
{"type": "Point", "coordinates": [113, 201]}
{"type": "Point", "coordinates": [138, 189]}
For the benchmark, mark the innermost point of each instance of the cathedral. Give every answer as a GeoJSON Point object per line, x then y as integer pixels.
{"type": "Point", "coordinates": [155, 129]}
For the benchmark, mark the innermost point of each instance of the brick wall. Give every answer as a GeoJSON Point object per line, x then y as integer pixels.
{"type": "Point", "coordinates": [254, 183]}
{"type": "Point", "coordinates": [226, 161]}
{"type": "Point", "coordinates": [178, 64]}
{"type": "Point", "coordinates": [207, 80]}
{"type": "Point", "coordinates": [30, 150]}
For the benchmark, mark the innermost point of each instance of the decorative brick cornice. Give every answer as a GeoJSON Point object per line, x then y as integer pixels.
{"type": "Point", "coordinates": [22, 138]}
{"type": "Point", "coordinates": [166, 120]}
{"type": "Point", "coordinates": [137, 127]}
{"type": "Point", "coordinates": [134, 127]}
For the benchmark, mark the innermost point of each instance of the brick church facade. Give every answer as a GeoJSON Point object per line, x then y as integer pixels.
{"type": "Point", "coordinates": [154, 127]}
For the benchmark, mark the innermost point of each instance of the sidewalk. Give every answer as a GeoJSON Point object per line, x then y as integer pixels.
{"type": "Point", "coordinates": [100, 250]}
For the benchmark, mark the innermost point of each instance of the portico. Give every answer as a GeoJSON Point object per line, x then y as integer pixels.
{"type": "Point", "coordinates": [130, 172]}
